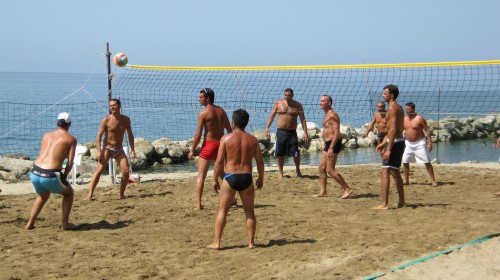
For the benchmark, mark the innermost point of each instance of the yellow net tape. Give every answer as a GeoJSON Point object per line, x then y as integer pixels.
{"type": "Point", "coordinates": [312, 67]}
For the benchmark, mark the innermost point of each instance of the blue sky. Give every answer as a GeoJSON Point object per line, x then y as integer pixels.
{"type": "Point", "coordinates": [70, 36]}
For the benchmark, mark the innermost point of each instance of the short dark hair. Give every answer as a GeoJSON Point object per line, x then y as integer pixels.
{"type": "Point", "coordinates": [208, 92]}
{"type": "Point", "coordinates": [329, 98]}
{"type": "Point", "coordinates": [393, 89]}
{"type": "Point", "coordinates": [116, 100]}
{"type": "Point", "coordinates": [289, 90]}
{"type": "Point", "coordinates": [411, 104]}
{"type": "Point", "coordinates": [240, 118]}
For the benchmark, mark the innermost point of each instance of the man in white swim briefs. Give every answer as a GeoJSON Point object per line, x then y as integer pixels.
{"type": "Point", "coordinates": [417, 143]}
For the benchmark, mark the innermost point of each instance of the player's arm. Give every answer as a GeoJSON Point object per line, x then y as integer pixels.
{"type": "Point", "coordinates": [260, 165]}
{"type": "Point", "coordinates": [370, 126]}
{"type": "Point", "coordinates": [227, 124]}
{"type": "Point", "coordinates": [197, 136]}
{"type": "Point", "coordinates": [219, 164]}
{"type": "Point", "coordinates": [391, 133]}
{"type": "Point", "coordinates": [100, 132]}
{"type": "Point", "coordinates": [425, 126]}
{"type": "Point", "coordinates": [334, 122]}
{"type": "Point", "coordinates": [270, 120]}
{"type": "Point", "coordinates": [302, 117]}
{"type": "Point", "coordinates": [71, 156]}
{"type": "Point", "coordinates": [130, 135]}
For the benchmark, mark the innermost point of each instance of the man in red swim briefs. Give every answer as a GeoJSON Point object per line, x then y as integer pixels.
{"type": "Point", "coordinates": [211, 121]}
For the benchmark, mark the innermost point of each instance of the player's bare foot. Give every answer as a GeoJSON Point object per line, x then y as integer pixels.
{"type": "Point", "coordinates": [281, 175]}
{"type": "Point", "coordinates": [320, 195]}
{"type": "Point", "coordinates": [406, 183]}
{"type": "Point", "coordinates": [123, 197]}
{"type": "Point", "coordinates": [299, 174]}
{"type": "Point", "coordinates": [434, 184]}
{"type": "Point", "coordinates": [347, 194]}
{"type": "Point", "coordinates": [214, 246]}
{"type": "Point", "coordinates": [69, 227]}
{"type": "Point", "coordinates": [497, 193]}
{"type": "Point", "coordinates": [198, 207]}
{"type": "Point", "coordinates": [380, 207]}
{"type": "Point", "coordinates": [88, 198]}
{"type": "Point", "coordinates": [29, 227]}
{"type": "Point", "coordinates": [401, 204]}
{"type": "Point", "coordinates": [251, 245]}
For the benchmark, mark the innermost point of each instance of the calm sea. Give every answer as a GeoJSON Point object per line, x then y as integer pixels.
{"type": "Point", "coordinates": [85, 95]}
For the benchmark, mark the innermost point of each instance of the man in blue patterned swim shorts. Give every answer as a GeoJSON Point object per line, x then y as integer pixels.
{"type": "Point", "coordinates": [47, 175]}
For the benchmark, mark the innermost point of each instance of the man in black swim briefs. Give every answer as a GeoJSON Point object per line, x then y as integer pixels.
{"type": "Point", "coordinates": [237, 149]}
{"type": "Point", "coordinates": [333, 146]}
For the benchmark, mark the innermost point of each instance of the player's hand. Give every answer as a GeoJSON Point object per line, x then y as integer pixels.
{"type": "Point", "coordinates": [216, 186]}
{"type": "Point", "coordinates": [259, 183]}
{"type": "Point", "coordinates": [132, 154]}
{"type": "Point", "coordinates": [386, 155]}
{"type": "Point", "coordinates": [429, 147]}
{"type": "Point", "coordinates": [191, 155]}
{"type": "Point", "coordinates": [306, 137]}
{"type": "Point", "coordinates": [267, 131]}
{"type": "Point", "coordinates": [380, 148]}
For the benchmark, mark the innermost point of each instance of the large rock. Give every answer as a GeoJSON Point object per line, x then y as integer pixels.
{"type": "Point", "coordinates": [142, 145]}
{"type": "Point", "coordinates": [262, 137]}
{"type": "Point", "coordinates": [15, 169]}
{"type": "Point", "coordinates": [161, 147]}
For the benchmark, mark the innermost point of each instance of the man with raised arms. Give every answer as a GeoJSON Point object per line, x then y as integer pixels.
{"type": "Point", "coordinates": [211, 122]}
{"type": "Point", "coordinates": [416, 145]}
{"type": "Point", "coordinates": [332, 148]}
{"type": "Point", "coordinates": [237, 150]}
{"type": "Point", "coordinates": [392, 148]}
{"type": "Point", "coordinates": [46, 175]}
{"type": "Point", "coordinates": [287, 143]}
{"type": "Point", "coordinates": [113, 127]}
{"type": "Point", "coordinates": [379, 120]}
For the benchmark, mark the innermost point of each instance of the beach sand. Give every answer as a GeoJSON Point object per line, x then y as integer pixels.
{"type": "Point", "coordinates": [155, 234]}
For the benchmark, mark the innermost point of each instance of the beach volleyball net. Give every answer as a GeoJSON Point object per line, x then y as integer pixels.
{"type": "Point", "coordinates": [162, 101]}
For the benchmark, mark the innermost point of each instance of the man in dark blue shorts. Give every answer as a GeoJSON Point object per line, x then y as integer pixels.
{"type": "Point", "coordinates": [237, 149]}
{"type": "Point", "coordinates": [392, 149]}
{"type": "Point", "coordinates": [287, 142]}
{"type": "Point", "coordinates": [47, 175]}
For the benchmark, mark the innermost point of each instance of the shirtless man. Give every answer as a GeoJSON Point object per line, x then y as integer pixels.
{"type": "Point", "coordinates": [332, 148]}
{"type": "Point", "coordinates": [287, 142]}
{"type": "Point", "coordinates": [237, 150]}
{"type": "Point", "coordinates": [113, 127]}
{"type": "Point", "coordinates": [378, 119]}
{"type": "Point", "coordinates": [416, 146]}
{"type": "Point", "coordinates": [392, 148]}
{"type": "Point", "coordinates": [212, 120]}
{"type": "Point", "coordinates": [497, 145]}
{"type": "Point", "coordinates": [47, 175]}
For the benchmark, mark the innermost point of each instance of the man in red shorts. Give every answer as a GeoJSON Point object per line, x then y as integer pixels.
{"type": "Point", "coordinates": [212, 120]}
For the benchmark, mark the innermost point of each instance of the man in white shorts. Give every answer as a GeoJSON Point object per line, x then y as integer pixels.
{"type": "Point", "coordinates": [417, 146]}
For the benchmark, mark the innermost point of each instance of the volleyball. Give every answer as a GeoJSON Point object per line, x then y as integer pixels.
{"type": "Point", "coordinates": [121, 59]}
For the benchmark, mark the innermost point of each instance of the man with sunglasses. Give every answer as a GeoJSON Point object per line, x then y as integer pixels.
{"type": "Point", "coordinates": [211, 121]}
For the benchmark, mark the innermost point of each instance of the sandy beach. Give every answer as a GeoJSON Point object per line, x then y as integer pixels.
{"type": "Point", "coordinates": [155, 234]}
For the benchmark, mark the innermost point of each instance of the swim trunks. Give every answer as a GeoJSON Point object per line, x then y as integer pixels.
{"type": "Point", "coordinates": [114, 152]}
{"type": "Point", "coordinates": [336, 149]}
{"type": "Point", "coordinates": [238, 181]}
{"type": "Point", "coordinates": [209, 150]}
{"type": "Point", "coordinates": [287, 143]}
{"type": "Point", "coordinates": [381, 136]}
{"type": "Point", "coordinates": [44, 180]}
{"type": "Point", "coordinates": [397, 150]}
{"type": "Point", "coordinates": [416, 152]}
